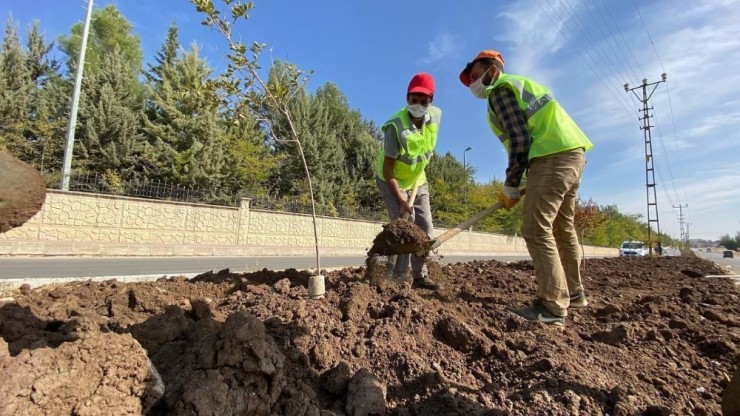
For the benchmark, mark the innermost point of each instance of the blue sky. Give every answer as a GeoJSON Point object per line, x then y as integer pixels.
{"type": "Point", "coordinates": [584, 51]}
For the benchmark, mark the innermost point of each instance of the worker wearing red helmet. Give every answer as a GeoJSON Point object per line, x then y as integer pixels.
{"type": "Point", "coordinates": [410, 136]}
{"type": "Point", "coordinates": [543, 140]}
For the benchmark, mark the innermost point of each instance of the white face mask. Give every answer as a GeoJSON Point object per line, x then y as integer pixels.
{"type": "Point", "coordinates": [477, 87]}
{"type": "Point", "coordinates": [416, 110]}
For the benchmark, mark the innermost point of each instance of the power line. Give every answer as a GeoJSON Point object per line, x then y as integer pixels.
{"type": "Point", "coordinates": [626, 44]}
{"type": "Point", "coordinates": [607, 56]}
{"type": "Point", "coordinates": [567, 25]}
{"type": "Point", "coordinates": [648, 35]}
{"type": "Point", "coordinates": [606, 87]}
{"type": "Point", "coordinates": [667, 160]}
{"type": "Point", "coordinates": [675, 137]}
{"type": "Point", "coordinates": [617, 52]}
{"type": "Point", "coordinates": [670, 103]}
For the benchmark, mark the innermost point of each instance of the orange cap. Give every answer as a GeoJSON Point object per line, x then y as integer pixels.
{"type": "Point", "coordinates": [488, 53]}
{"type": "Point", "coordinates": [421, 83]}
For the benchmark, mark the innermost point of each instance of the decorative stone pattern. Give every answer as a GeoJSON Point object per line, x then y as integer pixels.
{"type": "Point", "coordinates": [73, 216]}
{"type": "Point", "coordinates": [134, 226]}
{"type": "Point", "coordinates": [267, 228]}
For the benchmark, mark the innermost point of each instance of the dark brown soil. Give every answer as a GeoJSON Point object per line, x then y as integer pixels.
{"type": "Point", "coordinates": [396, 237]}
{"type": "Point", "coordinates": [22, 192]}
{"type": "Point", "coordinates": [653, 342]}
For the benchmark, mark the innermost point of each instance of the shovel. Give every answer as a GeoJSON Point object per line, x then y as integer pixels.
{"type": "Point", "coordinates": [391, 263]}
{"type": "Point", "coordinates": [411, 199]}
{"type": "Point", "coordinates": [421, 249]}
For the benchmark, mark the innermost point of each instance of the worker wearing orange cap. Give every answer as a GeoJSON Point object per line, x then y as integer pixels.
{"type": "Point", "coordinates": [410, 136]}
{"type": "Point", "coordinates": [543, 140]}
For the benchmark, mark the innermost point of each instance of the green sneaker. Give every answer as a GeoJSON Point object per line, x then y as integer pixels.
{"type": "Point", "coordinates": [538, 313]}
{"type": "Point", "coordinates": [578, 300]}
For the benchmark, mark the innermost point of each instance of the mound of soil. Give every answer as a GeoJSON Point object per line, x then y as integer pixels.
{"type": "Point", "coordinates": [22, 192]}
{"type": "Point", "coordinates": [396, 237]}
{"type": "Point", "coordinates": [654, 341]}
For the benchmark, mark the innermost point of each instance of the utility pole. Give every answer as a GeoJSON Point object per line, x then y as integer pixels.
{"type": "Point", "coordinates": [72, 124]}
{"type": "Point", "coordinates": [465, 175]}
{"type": "Point", "coordinates": [681, 218]}
{"type": "Point", "coordinates": [652, 197]}
{"type": "Point", "coordinates": [688, 235]}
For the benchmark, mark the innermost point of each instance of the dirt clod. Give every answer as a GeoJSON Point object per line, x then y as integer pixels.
{"type": "Point", "coordinates": [337, 379]}
{"type": "Point", "coordinates": [397, 233]}
{"type": "Point", "coordinates": [22, 192]}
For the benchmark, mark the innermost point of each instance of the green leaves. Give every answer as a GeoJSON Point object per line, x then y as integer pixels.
{"type": "Point", "coordinates": [109, 28]}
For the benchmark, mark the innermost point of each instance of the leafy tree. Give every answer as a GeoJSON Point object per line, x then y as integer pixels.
{"type": "Point", "coordinates": [588, 216]}
{"type": "Point", "coordinates": [358, 141]}
{"type": "Point", "coordinates": [109, 29]}
{"type": "Point", "coordinates": [184, 126]}
{"type": "Point", "coordinates": [109, 138]}
{"type": "Point", "coordinates": [729, 242]}
{"type": "Point", "coordinates": [166, 57]}
{"type": "Point", "coordinates": [251, 162]}
{"type": "Point", "coordinates": [29, 104]}
{"type": "Point", "coordinates": [243, 82]}
{"type": "Point", "coordinates": [15, 91]}
{"type": "Point", "coordinates": [41, 67]}
{"type": "Point", "coordinates": [321, 148]}
{"type": "Point", "coordinates": [446, 178]}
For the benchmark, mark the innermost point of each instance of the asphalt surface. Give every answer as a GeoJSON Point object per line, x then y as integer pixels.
{"type": "Point", "coordinates": [734, 262]}
{"type": "Point", "coordinates": [89, 267]}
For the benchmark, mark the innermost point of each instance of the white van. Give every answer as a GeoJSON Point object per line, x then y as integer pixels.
{"type": "Point", "coordinates": [633, 249]}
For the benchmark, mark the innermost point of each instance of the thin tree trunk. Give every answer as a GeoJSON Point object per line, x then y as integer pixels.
{"type": "Point", "coordinates": [313, 208]}
{"type": "Point", "coordinates": [583, 253]}
{"type": "Point", "coordinates": [310, 191]}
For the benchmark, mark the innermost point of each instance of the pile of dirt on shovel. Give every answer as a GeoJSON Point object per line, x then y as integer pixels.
{"type": "Point", "coordinates": [397, 233]}
{"type": "Point", "coordinates": [657, 339]}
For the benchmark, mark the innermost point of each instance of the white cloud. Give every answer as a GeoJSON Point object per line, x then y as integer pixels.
{"type": "Point", "coordinates": [444, 46]}
{"type": "Point", "coordinates": [711, 123]}
{"type": "Point", "coordinates": [531, 33]}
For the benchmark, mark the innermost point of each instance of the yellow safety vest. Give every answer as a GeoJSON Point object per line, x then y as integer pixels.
{"type": "Point", "coordinates": [551, 129]}
{"type": "Point", "coordinates": [416, 147]}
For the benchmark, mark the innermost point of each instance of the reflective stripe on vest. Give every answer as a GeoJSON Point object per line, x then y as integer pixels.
{"type": "Point", "coordinates": [551, 129]}
{"type": "Point", "coordinates": [416, 147]}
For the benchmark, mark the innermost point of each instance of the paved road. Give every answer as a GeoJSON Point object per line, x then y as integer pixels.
{"type": "Point", "coordinates": [86, 267]}
{"type": "Point", "coordinates": [734, 262]}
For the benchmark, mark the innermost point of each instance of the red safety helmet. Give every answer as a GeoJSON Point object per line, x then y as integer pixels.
{"type": "Point", "coordinates": [489, 53]}
{"type": "Point", "coordinates": [421, 83]}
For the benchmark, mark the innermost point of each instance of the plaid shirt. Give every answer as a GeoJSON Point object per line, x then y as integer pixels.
{"type": "Point", "coordinates": [504, 105]}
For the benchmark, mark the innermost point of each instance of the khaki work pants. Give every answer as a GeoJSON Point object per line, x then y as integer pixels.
{"type": "Point", "coordinates": [548, 227]}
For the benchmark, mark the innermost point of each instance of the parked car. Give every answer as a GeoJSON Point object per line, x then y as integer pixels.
{"type": "Point", "coordinates": [727, 254]}
{"type": "Point", "coordinates": [633, 249]}
{"type": "Point", "coordinates": [709, 250]}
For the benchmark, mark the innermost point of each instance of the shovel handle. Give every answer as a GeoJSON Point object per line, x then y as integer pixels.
{"type": "Point", "coordinates": [412, 199]}
{"type": "Point", "coordinates": [475, 218]}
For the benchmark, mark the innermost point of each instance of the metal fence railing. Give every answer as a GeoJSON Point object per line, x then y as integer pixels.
{"type": "Point", "coordinates": [161, 190]}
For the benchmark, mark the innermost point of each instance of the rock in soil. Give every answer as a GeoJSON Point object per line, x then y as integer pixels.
{"type": "Point", "coordinates": [22, 192]}
{"type": "Point", "coordinates": [654, 341]}
{"type": "Point", "coordinates": [365, 395]}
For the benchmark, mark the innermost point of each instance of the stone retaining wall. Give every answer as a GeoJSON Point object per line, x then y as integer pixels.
{"type": "Point", "coordinates": [75, 223]}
